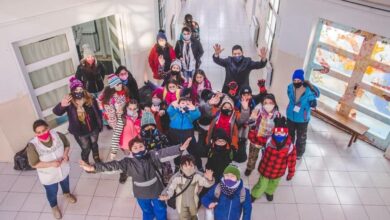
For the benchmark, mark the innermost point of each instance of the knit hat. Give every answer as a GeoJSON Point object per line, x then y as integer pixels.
{"type": "Point", "coordinates": [233, 169]}
{"type": "Point", "coordinates": [219, 133]}
{"type": "Point", "coordinates": [298, 74]}
{"type": "Point", "coordinates": [161, 35]}
{"type": "Point", "coordinates": [245, 90]}
{"type": "Point", "coordinates": [87, 51]}
{"type": "Point", "coordinates": [227, 99]}
{"type": "Point", "coordinates": [113, 80]}
{"type": "Point", "coordinates": [147, 119]}
{"type": "Point", "coordinates": [280, 125]}
{"type": "Point", "coordinates": [74, 83]}
{"type": "Point", "coordinates": [176, 62]}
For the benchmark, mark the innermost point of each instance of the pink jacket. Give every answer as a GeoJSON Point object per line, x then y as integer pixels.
{"type": "Point", "coordinates": [130, 131]}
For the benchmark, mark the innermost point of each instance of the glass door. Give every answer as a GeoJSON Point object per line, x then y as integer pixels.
{"type": "Point", "coordinates": [358, 81]}
{"type": "Point", "coordinates": [115, 40]}
{"type": "Point", "coordinates": [47, 63]}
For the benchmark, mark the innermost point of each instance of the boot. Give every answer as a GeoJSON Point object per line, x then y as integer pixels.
{"type": "Point", "coordinates": [56, 212]}
{"type": "Point", "coordinates": [248, 172]}
{"type": "Point", "coordinates": [269, 197]}
{"type": "Point", "coordinates": [70, 197]}
{"type": "Point", "coordinates": [122, 178]}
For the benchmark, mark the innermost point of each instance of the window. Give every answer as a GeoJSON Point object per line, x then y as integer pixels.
{"type": "Point", "coordinates": [270, 26]}
{"type": "Point", "coordinates": [358, 77]}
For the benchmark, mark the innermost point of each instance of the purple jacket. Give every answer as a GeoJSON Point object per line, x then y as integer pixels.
{"type": "Point", "coordinates": [194, 90]}
{"type": "Point", "coordinates": [74, 124]}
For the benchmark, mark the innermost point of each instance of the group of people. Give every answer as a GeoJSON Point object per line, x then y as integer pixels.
{"type": "Point", "coordinates": [165, 135]}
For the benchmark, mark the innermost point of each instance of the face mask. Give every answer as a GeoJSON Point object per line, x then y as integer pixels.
{"type": "Point", "coordinates": [156, 101]}
{"type": "Point", "coordinates": [124, 82]}
{"type": "Point", "coordinates": [279, 138]}
{"type": "Point", "coordinates": [175, 73]}
{"type": "Point", "coordinates": [45, 136]}
{"type": "Point", "coordinates": [220, 148]}
{"type": "Point", "coordinates": [132, 114]}
{"type": "Point", "coordinates": [237, 59]}
{"type": "Point", "coordinates": [268, 107]}
{"type": "Point", "coordinates": [297, 85]}
{"type": "Point", "coordinates": [90, 61]}
{"type": "Point", "coordinates": [187, 37]}
{"type": "Point", "coordinates": [148, 133]}
{"type": "Point", "coordinates": [123, 77]}
{"type": "Point", "coordinates": [78, 95]}
{"type": "Point", "coordinates": [188, 171]}
{"type": "Point", "coordinates": [226, 111]}
{"type": "Point", "coordinates": [229, 183]}
{"type": "Point", "coordinates": [140, 154]}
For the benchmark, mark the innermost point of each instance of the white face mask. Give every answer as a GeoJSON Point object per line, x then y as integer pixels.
{"type": "Point", "coordinates": [188, 171]}
{"type": "Point", "coordinates": [268, 107]}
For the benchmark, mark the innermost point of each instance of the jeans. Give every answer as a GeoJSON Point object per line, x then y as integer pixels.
{"type": "Point", "coordinates": [153, 208]}
{"type": "Point", "coordinates": [87, 143]}
{"type": "Point", "coordinates": [301, 135]}
{"type": "Point", "coordinates": [51, 191]}
{"type": "Point", "coordinates": [188, 74]}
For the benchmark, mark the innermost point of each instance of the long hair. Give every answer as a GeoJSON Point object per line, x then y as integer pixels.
{"type": "Point", "coordinates": [87, 97]}
{"type": "Point", "coordinates": [201, 72]}
{"type": "Point", "coordinates": [109, 92]}
{"type": "Point", "coordinates": [120, 68]}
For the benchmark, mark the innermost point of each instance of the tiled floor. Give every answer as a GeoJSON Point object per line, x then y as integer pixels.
{"type": "Point", "coordinates": [332, 182]}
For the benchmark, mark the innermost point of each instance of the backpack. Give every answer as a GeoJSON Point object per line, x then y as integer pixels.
{"type": "Point", "coordinates": [21, 160]}
{"type": "Point", "coordinates": [217, 193]}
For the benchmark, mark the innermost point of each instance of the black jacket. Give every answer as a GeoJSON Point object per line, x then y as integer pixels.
{"type": "Point", "coordinates": [238, 72]}
{"type": "Point", "coordinates": [196, 47]}
{"type": "Point", "coordinates": [93, 82]}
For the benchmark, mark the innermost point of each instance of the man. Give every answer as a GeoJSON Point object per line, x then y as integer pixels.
{"type": "Point", "coordinates": [237, 66]}
{"type": "Point", "coordinates": [189, 51]}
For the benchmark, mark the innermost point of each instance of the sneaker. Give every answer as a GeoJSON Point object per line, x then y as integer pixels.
{"type": "Point", "coordinates": [70, 197]}
{"type": "Point", "coordinates": [122, 178]}
{"type": "Point", "coordinates": [56, 212]}
{"type": "Point", "coordinates": [269, 197]}
{"type": "Point", "coordinates": [248, 172]}
{"type": "Point", "coordinates": [252, 199]}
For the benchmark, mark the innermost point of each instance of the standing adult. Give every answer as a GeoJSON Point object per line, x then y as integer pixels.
{"type": "Point", "coordinates": [85, 118]}
{"type": "Point", "coordinates": [237, 66]}
{"type": "Point", "coordinates": [48, 152]}
{"type": "Point", "coordinates": [128, 80]}
{"type": "Point", "coordinates": [91, 72]}
{"type": "Point", "coordinates": [161, 50]}
{"type": "Point", "coordinates": [189, 50]}
{"type": "Point", "coordinates": [302, 97]}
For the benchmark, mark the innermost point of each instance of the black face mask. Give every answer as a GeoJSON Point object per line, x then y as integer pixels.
{"type": "Point", "coordinates": [78, 95]}
{"type": "Point", "coordinates": [298, 85]}
{"type": "Point", "coordinates": [226, 111]}
{"type": "Point", "coordinates": [175, 73]}
{"type": "Point", "coordinates": [219, 148]}
{"type": "Point", "coordinates": [148, 133]}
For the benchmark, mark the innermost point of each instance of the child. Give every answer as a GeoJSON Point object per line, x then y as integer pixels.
{"type": "Point", "coordinates": [261, 129]}
{"type": "Point", "coordinates": [279, 154]}
{"type": "Point", "coordinates": [174, 73]}
{"type": "Point", "coordinates": [169, 93]}
{"type": "Point", "coordinates": [143, 168]}
{"type": "Point", "coordinates": [229, 198]}
{"type": "Point", "coordinates": [155, 140]}
{"type": "Point", "coordinates": [182, 115]}
{"type": "Point", "coordinates": [187, 183]}
{"type": "Point", "coordinates": [197, 85]}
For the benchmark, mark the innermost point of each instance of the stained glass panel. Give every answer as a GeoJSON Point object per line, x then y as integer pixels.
{"type": "Point", "coordinates": [336, 62]}
{"type": "Point", "coordinates": [381, 52]}
{"type": "Point", "coordinates": [328, 82]}
{"type": "Point", "coordinates": [340, 38]}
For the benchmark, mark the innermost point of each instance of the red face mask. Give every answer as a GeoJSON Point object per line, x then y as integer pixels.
{"type": "Point", "coordinates": [45, 136]}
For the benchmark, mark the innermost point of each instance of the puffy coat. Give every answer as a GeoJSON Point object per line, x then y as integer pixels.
{"type": "Point", "coordinates": [303, 110]}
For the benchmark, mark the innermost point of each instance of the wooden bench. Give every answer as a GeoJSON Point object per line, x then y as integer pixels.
{"type": "Point", "coordinates": [350, 125]}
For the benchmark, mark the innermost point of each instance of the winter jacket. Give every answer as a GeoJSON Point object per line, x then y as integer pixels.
{"type": "Point", "coordinates": [75, 126]}
{"type": "Point", "coordinates": [274, 162]}
{"type": "Point", "coordinates": [261, 130]}
{"type": "Point", "coordinates": [146, 183]}
{"type": "Point", "coordinates": [302, 108]}
{"type": "Point", "coordinates": [218, 160]}
{"type": "Point", "coordinates": [178, 182]}
{"type": "Point", "coordinates": [180, 120]}
{"type": "Point", "coordinates": [93, 81]}
{"type": "Point", "coordinates": [196, 48]}
{"type": "Point", "coordinates": [131, 129]}
{"type": "Point", "coordinates": [195, 96]}
{"type": "Point", "coordinates": [117, 102]}
{"type": "Point", "coordinates": [155, 64]}
{"type": "Point", "coordinates": [156, 141]}
{"type": "Point", "coordinates": [238, 72]}
{"type": "Point", "coordinates": [229, 208]}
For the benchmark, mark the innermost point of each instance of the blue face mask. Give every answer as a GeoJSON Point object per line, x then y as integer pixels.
{"type": "Point", "coordinates": [237, 59]}
{"type": "Point", "coordinates": [140, 154]}
{"type": "Point", "coordinates": [279, 138]}
{"type": "Point", "coordinates": [124, 82]}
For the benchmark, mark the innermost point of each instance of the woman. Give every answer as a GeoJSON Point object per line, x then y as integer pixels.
{"type": "Point", "coordinates": [48, 152]}
{"type": "Point", "coordinates": [129, 81]}
{"type": "Point", "coordinates": [85, 119]}
{"type": "Point", "coordinates": [161, 50]}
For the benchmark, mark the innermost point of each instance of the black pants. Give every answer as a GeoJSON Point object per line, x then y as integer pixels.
{"type": "Point", "coordinates": [300, 129]}
{"type": "Point", "coordinates": [87, 144]}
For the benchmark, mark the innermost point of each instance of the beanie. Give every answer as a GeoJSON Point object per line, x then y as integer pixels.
{"type": "Point", "coordinates": [113, 80]}
{"type": "Point", "coordinates": [245, 90]}
{"type": "Point", "coordinates": [298, 74]}
{"type": "Point", "coordinates": [147, 119]}
{"type": "Point", "coordinates": [219, 133]}
{"type": "Point", "coordinates": [74, 83]}
{"type": "Point", "coordinates": [176, 62]}
{"type": "Point", "coordinates": [161, 35]}
{"type": "Point", "coordinates": [233, 169]}
{"type": "Point", "coordinates": [87, 51]}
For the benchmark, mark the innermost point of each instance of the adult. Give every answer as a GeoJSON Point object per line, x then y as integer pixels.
{"type": "Point", "coordinates": [237, 66]}
{"type": "Point", "coordinates": [161, 50]}
{"type": "Point", "coordinates": [302, 97]}
{"type": "Point", "coordinates": [85, 118]}
{"type": "Point", "coordinates": [128, 80]}
{"type": "Point", "coordinates": [48, 152]}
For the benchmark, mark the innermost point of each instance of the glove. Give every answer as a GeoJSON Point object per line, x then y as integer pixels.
{"type": "Point", "coordinates": [261, 85]}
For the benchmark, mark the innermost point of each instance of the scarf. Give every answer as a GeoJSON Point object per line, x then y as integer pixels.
{"type": "Point", "coordinates": [224, 123]}
{"type": "Point", "coordinates": [229, 191]}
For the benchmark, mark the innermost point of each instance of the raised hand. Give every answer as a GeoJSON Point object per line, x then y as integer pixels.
{"type": "Point", "coordinates": [218, 49]}
{"type": "Point", "coordinates": [212, 205]}
{"type": "Point", "coordinates": [263, 53]}
{"type": "Point", "coordinates": [65, 102]}
{"type": "Point", "coordinates": [86, 166]}
{"type": "Point", "coordinates": [208, 174]}
{"type": "Point", "coordinates": [185, 145]}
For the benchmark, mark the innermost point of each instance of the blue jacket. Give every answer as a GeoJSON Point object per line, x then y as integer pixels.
{"type": "Point", "coordinates": [229, 208]}
{"type": "Point", "coordinates": [180, 120]}
{"type": "Point", "coordinates": [303, 110]}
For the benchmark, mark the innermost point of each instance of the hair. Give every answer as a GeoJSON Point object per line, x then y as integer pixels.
{"type": "Point", "coordinates": [39, 122]}
{"type": "Point", "coordinates": [187, 159]}
{"type": "Point", "coordinates": [186, 29]}
{"type": "Point", "coordinates": [236, 47]}
{"type": "Point", "coordinates": [201, 72]}
{"type": "Point", "coordinates": [187, 17]}
{"type": "Point", "coordinates": [109, 92]}
{"type": "Point", "coordinates": [87, 97]}
{"type": "Point", "coordinates": [120, 68]}
{"type": "Point", "coordinates": [183, 99]}
{"type": "Point", "coordinates": [135, 140]}
{"type": "Point", "coordinates": [170, 81]}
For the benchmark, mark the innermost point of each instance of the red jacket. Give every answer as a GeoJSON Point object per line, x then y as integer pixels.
{"type": "Point", "coordinates": [153, 60]}
{"type": "Point", "coordinates": [274, 162]}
